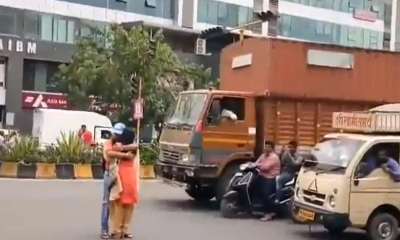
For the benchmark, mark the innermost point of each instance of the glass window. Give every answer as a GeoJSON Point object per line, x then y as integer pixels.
{"type": "Point", "coordinates": [222, 10]}
{"type": "Point", "coordinates": [320, 27]}
{"type": "Point", "coordinates": [236, 15]}
{"type": "Point", "coordinates": [305, 2]}
{"type": "Point", "coordinates": [8, 22]}
{"type": "Point", "coordinates": [314, 3]}
{"type": "Point", "coordinates": [212, 12]}
{"type": "Point", "coordinates": [151, 3]}
{"type": "Point", "coordinates": [245, 15]}
{"type": "Point", "coordinates": [223, 14]}
{"type": "Point", "coordinates": [55, 30]}
{"type": "Point", "coordinates": [70, 31]}
{"type": "Point", "coordinates": [155, 8]}
{"type": "Point", "coordinates": [336, 5]}
{"type": "Point", "coordinates": [61, 35]}
{"type": "Point", "coordinates": [387, 12]}
{"type": "Point", "coordinates": [31, 24]}
{"type": "Point", "coordinates": [319, 31]}
{"type": "Point", "coordinates": [28, 75]}
{"type": "Point", "coordinates": [46, 27]}
{"type": "Point", "coordinates": [202, 10]}
{"type": "Point", "coordinates": [51, 82]}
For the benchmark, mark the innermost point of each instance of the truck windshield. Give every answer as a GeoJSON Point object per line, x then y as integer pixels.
{"type": "Point", "coordinates": [335, 153]}
{"type": "Point", "coordinates": [187, 109]}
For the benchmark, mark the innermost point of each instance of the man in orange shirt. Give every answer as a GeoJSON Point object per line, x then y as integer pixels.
{"type": "Point", "coordinates": [87, 136]}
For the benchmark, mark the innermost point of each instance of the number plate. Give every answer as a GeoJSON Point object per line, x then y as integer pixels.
{"type": "Point", "coordinates": [306, 215]}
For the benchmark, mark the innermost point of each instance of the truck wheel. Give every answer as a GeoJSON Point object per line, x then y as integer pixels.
{"type": "Point", "coordinates": [224, 180]}
{"type": "Point", "coordinates": [334, 230]}
{"type": "Point", "coordinates": [382, 226]}
{"type": "Point", "coordinates": [201, 194]}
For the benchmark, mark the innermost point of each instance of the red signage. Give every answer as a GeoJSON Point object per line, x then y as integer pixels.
{"type": "Point", "coordinates": [44, 100]}
{"type": "Point", "coordinates": [365, 15]}
{"type": "Point", "coordinates": [138, 109]}
{"type": "Point", "coordinates": [32, 99]}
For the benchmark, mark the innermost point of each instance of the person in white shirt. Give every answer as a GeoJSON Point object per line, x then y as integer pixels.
{"type": "Point", "coordinates": [225, 113]}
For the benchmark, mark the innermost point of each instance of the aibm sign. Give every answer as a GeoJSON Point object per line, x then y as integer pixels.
{"type": "Point", "coordinates": [12, 45]}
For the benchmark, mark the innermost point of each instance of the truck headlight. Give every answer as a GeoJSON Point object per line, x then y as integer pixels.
{"type": "Point", "coordinates": [332, 201]}
{"type": "Point", "coordinates": [187, 157]}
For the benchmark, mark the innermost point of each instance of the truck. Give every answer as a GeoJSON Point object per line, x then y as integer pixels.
{"type": "Point", "coordinates": [280, 90]}
{"type": "Point", "coordinates": [48, 124]}
{"type": "Point", "coordinates": [332, 188]}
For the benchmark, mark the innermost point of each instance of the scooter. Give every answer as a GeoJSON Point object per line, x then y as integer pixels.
{"type": "Point", "coordinates": [243, 197]}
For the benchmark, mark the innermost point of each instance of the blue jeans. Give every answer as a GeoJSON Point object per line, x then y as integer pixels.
{"type": "Point", "coordinates": [105, 214]}
{"type": "Point", "coordinates": [281, 181]}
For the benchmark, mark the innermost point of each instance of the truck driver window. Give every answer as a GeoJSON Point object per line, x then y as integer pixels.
{"type": "Point", "coordinates": [234, 105]}
{"type": "Point", "coordinates": [372, 159]}
{"type": "Point", "coordinates": [227, 108]}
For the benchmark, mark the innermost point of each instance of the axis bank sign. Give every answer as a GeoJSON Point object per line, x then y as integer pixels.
{"type": "Point", "coordinates": [12, 45]}
{"type": "Point", "coordinates": [43, 100]}
{"type": "Point", "coordinates": [32, 100]}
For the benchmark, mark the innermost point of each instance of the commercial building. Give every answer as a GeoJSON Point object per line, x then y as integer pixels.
{"type": "Point", "coordinates": [360, 23]}
{"type": "Point", "coordinates": [36, 36]}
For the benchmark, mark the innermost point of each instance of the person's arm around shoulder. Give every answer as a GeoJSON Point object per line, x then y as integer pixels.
{"type": "Point", "coordinates": [129, 147]}
{"type": "Point", "coordinates": [109, 151]}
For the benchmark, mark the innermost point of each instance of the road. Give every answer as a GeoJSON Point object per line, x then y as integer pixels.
{"type": "Point", "coordinates": [69, 210]}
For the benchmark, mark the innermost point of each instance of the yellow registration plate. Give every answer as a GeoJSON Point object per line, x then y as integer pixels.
{"type": "Point", "coordinates": [306, 215]}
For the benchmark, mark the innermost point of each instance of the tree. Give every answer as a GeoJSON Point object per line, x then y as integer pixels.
{"type": "Point", "coordinates": [109, 70]}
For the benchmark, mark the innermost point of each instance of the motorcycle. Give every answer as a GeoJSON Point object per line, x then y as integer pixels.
{"type": "Point", "coordinates": [242, 196]}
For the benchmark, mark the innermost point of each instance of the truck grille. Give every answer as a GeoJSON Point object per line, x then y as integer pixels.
{"type": "Point", "coordinates": [170, 155]}
{"type": "Point", "coordinates": [314, 198]}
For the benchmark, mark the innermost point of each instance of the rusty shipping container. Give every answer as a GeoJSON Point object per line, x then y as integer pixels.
{"type": "Point", "coordinates": [302, 119]}
{"type": "Point", "coordinates": [311, 70]}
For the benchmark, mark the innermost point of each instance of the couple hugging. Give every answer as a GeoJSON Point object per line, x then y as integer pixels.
{"type": "Point", "coordinates": [120, 163]}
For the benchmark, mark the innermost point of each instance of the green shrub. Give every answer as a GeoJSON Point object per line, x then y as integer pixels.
{"type": "Point", "coordinates": [25, 149]}
{"type": "Point", "coordinates": [69, 148]}
{"type": "Point", "coordinates": [149, 154]}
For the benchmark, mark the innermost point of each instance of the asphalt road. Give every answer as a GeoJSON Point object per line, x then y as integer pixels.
{"type": "Point", "coordinates": [69, 210]}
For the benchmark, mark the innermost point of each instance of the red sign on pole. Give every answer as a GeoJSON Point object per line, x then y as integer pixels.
{"type": "Point", "coordinates": [138, 109]}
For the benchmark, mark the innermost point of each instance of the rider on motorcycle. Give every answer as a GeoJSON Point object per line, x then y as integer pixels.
{"type": "Point", "coordinates": [270, 167]}
{"type": "Point", "coordinates": [291, 162]}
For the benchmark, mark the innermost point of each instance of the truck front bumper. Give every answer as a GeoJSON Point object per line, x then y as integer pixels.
{"type": "Point", "coordinates": [182, 174]}
{"type": "Point", "coordinates": [313, 215]}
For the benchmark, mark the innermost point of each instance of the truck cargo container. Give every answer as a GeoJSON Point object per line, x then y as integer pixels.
{"type": "Point", "coordinates": [201, 151]}
{"type": "Point", "coordinates": [312, 70]}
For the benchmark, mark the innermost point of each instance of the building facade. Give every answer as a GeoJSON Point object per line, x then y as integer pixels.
{"type": "Point", "coordinates": [37, 36]}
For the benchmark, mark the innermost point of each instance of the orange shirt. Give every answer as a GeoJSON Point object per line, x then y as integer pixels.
{"type": "Point", "coordinates": [87, 138]}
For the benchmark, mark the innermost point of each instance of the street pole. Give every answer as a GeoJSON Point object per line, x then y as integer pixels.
{"type": "Point", "coordinates": [138, 120]}
{"type": "Point", "coordinates": [137, 157]}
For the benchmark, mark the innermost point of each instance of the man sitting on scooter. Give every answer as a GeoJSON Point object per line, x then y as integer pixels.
{"type": "Point", "coordinates": [290, 165]}
{"type": "Point", "coordinates": [270, 167]}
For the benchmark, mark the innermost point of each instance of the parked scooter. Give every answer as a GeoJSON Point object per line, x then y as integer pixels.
{"type": "Point", "coordinates": [242, 195]}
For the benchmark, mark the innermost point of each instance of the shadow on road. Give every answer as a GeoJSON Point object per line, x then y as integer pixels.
{"type": "Point", "coordinates": [186, 205]}
{"type": "Point", "coordinates": [323, 234]}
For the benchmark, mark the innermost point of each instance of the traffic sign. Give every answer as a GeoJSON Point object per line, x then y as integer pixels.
{"type": "Point", "coordinates": [138, 109]}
